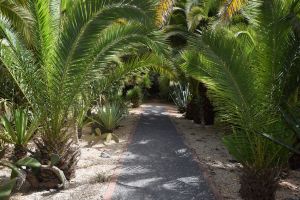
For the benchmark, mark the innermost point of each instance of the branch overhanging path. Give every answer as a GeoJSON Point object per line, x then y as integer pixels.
{"type": "Point", "coordinates": [158, 165]}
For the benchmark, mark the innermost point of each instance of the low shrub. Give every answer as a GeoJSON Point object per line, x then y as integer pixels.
{"type": "Point", "coordinates": [135, 96]}
{"type": "Point", "coordinates": [109, 117]}
{"type": "Point", "coordinates": [18, 131]}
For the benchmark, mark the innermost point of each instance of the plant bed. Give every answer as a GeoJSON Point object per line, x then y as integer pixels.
{"type": "Point", "coordinates": [222, 168]}
{"type": "Point", "coordinates": [93, 169]}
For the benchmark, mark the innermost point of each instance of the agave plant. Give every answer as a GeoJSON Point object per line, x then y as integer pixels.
{"type": "Point", "coordinates": [180, 96]}
{"type": "Point", "coordinates": [245, 77]}
{"type": "Point", "coordinates": [109, 117]}
{"type": "Point", "coordinates": [67, 53]}
{"type": "Point", "coordinates": [18, 131]}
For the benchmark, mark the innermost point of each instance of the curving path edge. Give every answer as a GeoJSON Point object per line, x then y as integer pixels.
{"type": "Point", "coordinates": [157, 165]}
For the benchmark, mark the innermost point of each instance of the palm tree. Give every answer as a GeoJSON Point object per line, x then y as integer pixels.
{"type": "Point", "coordinates": [245, 69]}
{"type": "Point", "coordinates": [189, 17]}
{"type": "Point", "coordinates": [69, 51]}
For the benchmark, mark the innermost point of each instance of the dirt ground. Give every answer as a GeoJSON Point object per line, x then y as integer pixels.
{"type": "Point", "coordinates": [97, 163]}
{"type": "Point", "coordinates": [206, 142]}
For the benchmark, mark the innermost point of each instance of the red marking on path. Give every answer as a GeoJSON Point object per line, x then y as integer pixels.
{"type": "Point", "coordinates": [113, 182]}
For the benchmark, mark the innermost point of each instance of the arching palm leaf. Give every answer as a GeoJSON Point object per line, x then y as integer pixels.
{"type": "Point", "coordinates": [68, 52]}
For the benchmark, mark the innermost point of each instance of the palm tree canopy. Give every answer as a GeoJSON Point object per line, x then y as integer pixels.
{"type": "Point", "coordinates": [70, 50]}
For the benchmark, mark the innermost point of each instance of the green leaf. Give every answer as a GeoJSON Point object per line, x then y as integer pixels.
{"type": "Point", "coordinates": [14, 168]}
{"type": "Point", "coordinates": [54, 159]}
{"type": "Point", "coordinates": [291, 120]}
{"type": "Point", "coordinates": [6, 189]}
{"type": "Point", "coordinates": [28, 162]}
{"type": "Point", "coordinates": [8, 128]}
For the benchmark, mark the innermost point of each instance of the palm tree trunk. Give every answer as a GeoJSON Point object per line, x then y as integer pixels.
{"type": "Point", "coordinates": [47, 178]}
{"type": "Point", "coordinates": [19, 153]}
{"type": "Point", "coordinates": [79, 132]}
{"type": "Point", "coordinates": [207, 109]}
{"type": "Point", "coordinates": [259, 184]}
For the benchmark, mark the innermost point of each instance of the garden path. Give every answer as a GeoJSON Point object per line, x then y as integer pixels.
{"type": "Point", "coordinates": [158, 165]}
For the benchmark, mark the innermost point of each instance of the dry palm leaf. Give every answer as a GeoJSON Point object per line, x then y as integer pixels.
{"type": "Point", "coordinates": [163, 11]}
{"type": "Point", "coordinates": [230, 8]}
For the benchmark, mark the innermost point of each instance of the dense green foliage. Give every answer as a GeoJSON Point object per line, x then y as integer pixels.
{"type": "Point", "coordinates": [63, 59]}
{"type": "Point", "coordinates": [61, 56]}
{"type": "Point", "coordinates": [135, 96]}
{"type": "Point", "coordinates": [246, 67]}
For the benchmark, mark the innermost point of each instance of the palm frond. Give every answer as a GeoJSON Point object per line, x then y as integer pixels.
{"type": "Point", "coordinates": [83, 25]}
{"type": "Point", "coordinates": [43, 36]}
{"type": "Point", "coordinates": [219, 65]}
{"type": "Point", "coordinates": [146, 62]}
{"type": "Point", "coordinates": [19, 17]}
{"type": "Point", "coordinates": [20, 63]}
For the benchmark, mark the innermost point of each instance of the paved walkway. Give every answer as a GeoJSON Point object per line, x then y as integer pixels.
{"type": "Point", "coordinates": [158, 165]}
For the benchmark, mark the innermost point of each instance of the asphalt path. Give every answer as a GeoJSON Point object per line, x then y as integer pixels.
{"type": "Point", "coordinates": [158, 165]}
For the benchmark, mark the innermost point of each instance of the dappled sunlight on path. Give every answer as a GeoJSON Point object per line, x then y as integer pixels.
{"type": "Point", "coordinates": [157, 164]}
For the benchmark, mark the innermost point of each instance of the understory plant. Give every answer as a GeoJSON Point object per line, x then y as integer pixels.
{"type": "Point", "coordinates": [18, 174]}
{"type": "Point", "coordinates": [2, 148]}
{"type": "Point", "coordinates": [245, 68]}
{"type": "Point", "coordinates": [18, 131]}
{"type": "Point", "coordinates": [109, 117]}
{"type": "Point", "coordinates": [135, 96]}
{"type": "Point", "coordinates": [180, 96]}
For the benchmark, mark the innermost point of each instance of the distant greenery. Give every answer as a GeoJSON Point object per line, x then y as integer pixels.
{"type": "Point", "coordinates": [135, 96]}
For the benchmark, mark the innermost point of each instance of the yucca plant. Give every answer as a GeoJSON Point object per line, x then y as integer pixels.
{"type": "Point", "coordinates": [245, 68]}
{"type": "Point", "coordinates": [18, 131]}
{"type": "Point", "coordinates": [68, 52]}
